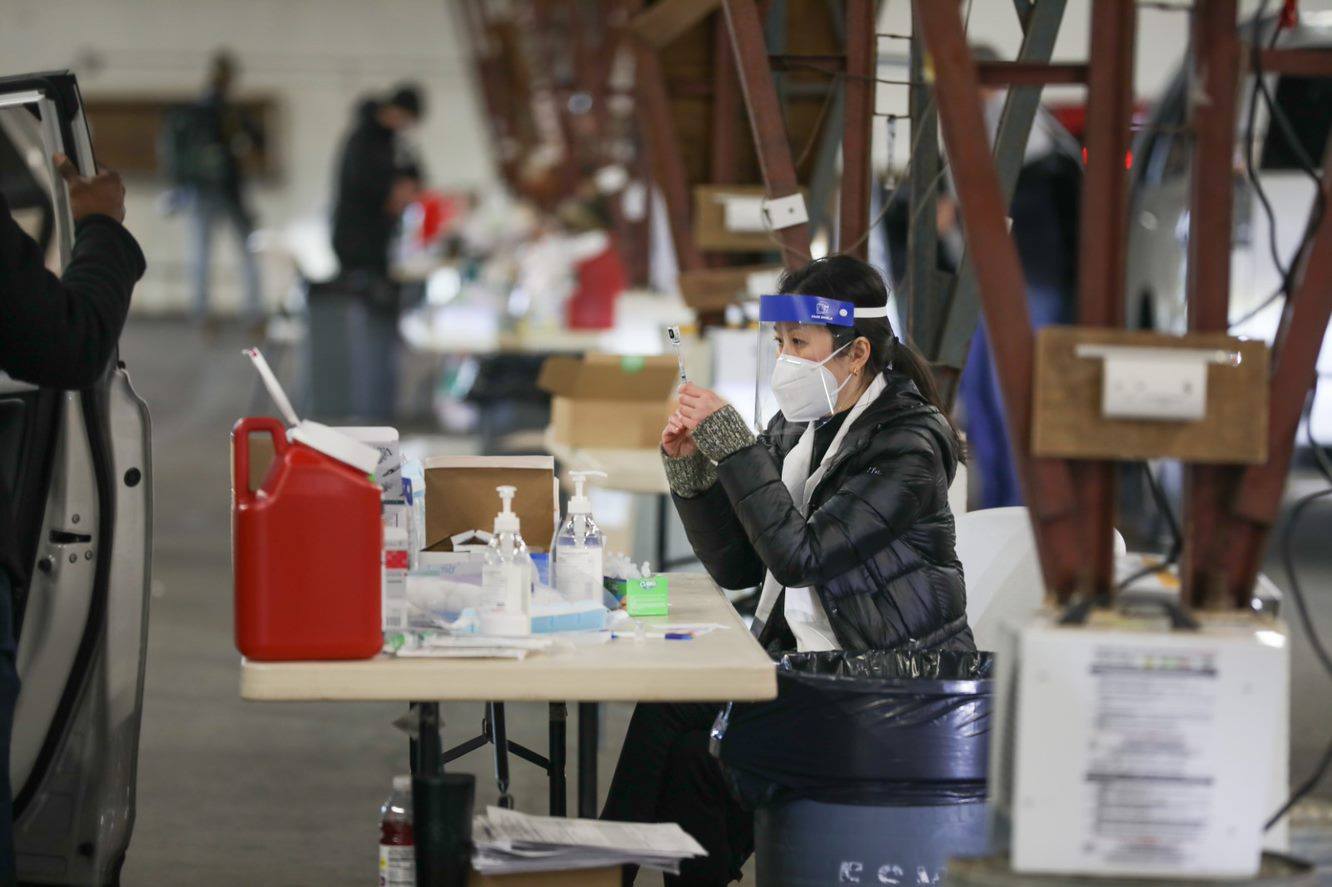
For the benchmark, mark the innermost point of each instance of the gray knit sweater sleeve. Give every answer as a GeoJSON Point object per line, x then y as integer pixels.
{"type": "Point", "coordinates": [723, 433]}
{"type": "Point", "coordinates": [689, 476]}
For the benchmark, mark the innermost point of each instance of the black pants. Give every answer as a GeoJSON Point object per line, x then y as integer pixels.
{"type": "Point", "coordinates": [666, 774]}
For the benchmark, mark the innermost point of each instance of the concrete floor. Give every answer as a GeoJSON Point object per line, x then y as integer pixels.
{"type": "Point", "coordinates": [288, 794]}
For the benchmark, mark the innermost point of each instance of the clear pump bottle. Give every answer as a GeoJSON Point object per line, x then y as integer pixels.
{"type": "Point", "coordinates": [579, 547]}
{"type": "Point", "coordinates": [506, 578]}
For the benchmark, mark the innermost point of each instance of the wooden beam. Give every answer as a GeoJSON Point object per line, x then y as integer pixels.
{"type": "Point", "coordinates": [1047, 484]}
{"type": "Point", "coordinates": [1103, 242]}
{"type": "Point", "coordinates": [1029, 74]}
{"type": "Point", "coordinates": [1299, 339]}
{"type": "Point", "coordinates": [1212, 116]}
{"type": "Point", "coordinates": [1297, 62]}
{"type": "Point", "coordinates": [862, 64]}
{"type": "Point", "coordinates": [771, 142]}
{"type": "Point", "coordinates": [665, 21]}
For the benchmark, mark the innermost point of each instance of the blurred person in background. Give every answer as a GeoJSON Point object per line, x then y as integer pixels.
{"type": "Point", "coordinates": [206, 148]}
{"type": "Point", "coordinates": [56, 332]}
{"type": "Point", "coordinates": [378, 177]}
{"type": "Point", "coordinates": [1044, 214]}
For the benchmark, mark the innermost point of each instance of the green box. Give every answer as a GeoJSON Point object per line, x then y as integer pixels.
{"type": "Point", "coordinates": [648, 597]}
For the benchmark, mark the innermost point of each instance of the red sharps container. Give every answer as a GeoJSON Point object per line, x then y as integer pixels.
{"type": "Point", "coordinates": [306, 545]}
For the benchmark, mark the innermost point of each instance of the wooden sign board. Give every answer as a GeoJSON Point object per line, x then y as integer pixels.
{"type": "Point", "coordinates": [711, 233]}
{"type": "Point", "coordinates": [1067, 418]}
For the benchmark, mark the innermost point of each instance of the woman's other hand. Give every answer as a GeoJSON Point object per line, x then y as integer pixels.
{"type": "Point", "coordinates": [697, 403]}
{"type": "Point", "coordinates": [675, 439]}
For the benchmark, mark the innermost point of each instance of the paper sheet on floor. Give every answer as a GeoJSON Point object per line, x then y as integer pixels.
{"type": "Point", "coordinates": [508, 841]}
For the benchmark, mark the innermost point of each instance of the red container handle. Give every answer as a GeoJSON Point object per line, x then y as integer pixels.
{"type": "Point", "coordinates": [240, 449]}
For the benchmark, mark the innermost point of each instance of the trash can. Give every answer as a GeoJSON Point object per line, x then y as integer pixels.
{"type": "Point", "coordinates": [867, 768]}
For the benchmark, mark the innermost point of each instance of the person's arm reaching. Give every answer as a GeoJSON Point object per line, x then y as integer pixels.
{"type": "Point", "coordinates": [61, 332]}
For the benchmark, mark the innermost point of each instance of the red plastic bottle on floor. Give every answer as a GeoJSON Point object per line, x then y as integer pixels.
{"type": "Point", "coordinates": [306, 548]}
{"type": "Point", "coordinates": [397, 850]}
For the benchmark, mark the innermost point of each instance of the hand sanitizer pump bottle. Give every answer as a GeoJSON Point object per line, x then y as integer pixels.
{"type": "Point", "coordinates": [579, 547]}
{"type": "Point", "coordinates": [507, 576]}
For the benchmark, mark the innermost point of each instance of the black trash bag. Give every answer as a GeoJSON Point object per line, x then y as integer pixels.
{"type": "Point", "coordinates": [880, 728]}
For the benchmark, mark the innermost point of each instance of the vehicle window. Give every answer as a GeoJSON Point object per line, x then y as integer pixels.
{"type": "Point", "coordinates": [1307, 104]}
{"type": "Point", "coordinates": [29, 203]}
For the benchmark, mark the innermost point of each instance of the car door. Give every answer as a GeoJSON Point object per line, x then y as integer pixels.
{"type": "Point", "coordinates": [78, 466]}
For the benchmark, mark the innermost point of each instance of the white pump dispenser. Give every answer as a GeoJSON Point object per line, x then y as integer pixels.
{"type": "Point", "coordinates": [507, 576]}
{"type": "Point", "coordinates": [579, 547]}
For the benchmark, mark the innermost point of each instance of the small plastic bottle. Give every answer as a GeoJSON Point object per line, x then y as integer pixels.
{"type": "Point", "coordinates": [506, 578]}
{"type": "Point", "coordinates": [397, 850]}
{"type": "Point", "coordinates": [579, 547]}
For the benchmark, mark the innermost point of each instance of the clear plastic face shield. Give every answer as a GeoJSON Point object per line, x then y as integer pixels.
{"type": "Point", "coordinates": [800, 370]}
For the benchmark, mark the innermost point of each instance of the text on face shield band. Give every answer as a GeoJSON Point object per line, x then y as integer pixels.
{"type": "Point", "coordinates": [795, 308]}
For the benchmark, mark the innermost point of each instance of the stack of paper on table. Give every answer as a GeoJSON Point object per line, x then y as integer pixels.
{"type": "Point", "coordinates": [507, 841]}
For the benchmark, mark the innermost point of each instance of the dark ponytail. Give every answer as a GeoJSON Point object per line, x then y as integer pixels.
{"type": "Point", "coordinates": [851, 280]}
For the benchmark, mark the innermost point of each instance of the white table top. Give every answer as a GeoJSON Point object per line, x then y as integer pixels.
{"type": "Point", "coordinates": [725, 665]}
{"type": "Point", "coordinates": [630, 471]}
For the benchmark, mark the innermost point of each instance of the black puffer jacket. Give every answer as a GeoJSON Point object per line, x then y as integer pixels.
{"type": "Point", "coordinates": [878, 543]}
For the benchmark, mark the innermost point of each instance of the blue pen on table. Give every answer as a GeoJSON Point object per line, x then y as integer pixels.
{"type": "Point", "coordinates": [669, 636]}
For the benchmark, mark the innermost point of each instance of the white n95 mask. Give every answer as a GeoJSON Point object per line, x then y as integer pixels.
{"type": "Point", "coordinates": [806, 390]}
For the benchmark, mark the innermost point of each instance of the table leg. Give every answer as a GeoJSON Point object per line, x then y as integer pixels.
{"type": "Point", "coordinates": [588, 714]}
{"type": "Point", "coordinates": [500, 738]}
{"type": "Point", "coordinates": [663, 530]}
{"type": "Point", "coordinates": [559, 717]}
{"type": "Point", "coordinates": [429, 751]}
{"type": "Point", "coordinates": [427, 761]}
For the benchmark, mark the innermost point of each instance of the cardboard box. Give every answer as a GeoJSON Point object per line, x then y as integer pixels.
{"type": "Point", "coordinates": [601, 877]}
{"type": "Point", "coordinates": [713, 289]}
{"type": "Point", "coordinates": [605, 401]}
{"type": "Point", "coordinates": [460, 495]}
{"type": "Point", "coordinates": [1123, 749]}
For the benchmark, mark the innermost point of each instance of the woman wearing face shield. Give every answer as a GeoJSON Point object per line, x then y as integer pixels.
{"type": "Point", "coordinates": [839, 510]}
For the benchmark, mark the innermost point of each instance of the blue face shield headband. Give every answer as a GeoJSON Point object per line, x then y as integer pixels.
{"type": "Point", "coordinates": [805, 390]}
{"type": "Point", "coordinates": [798, 308]}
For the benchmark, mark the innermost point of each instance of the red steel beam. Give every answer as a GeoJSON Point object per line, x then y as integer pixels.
{"type": "Point", "coordinates": [765, 120]}
{"type": "Point", "coordinates": [1295, 351]}
{"type": "Point", "coordinates": [1047, 484]}
{"type": "Point", "coordinates": [1216, 54]}
{"type": "Point", "coordinates": [658, 127]}
{"type": "Point", "coordinates": [1031, 73]}
{"type": "Point", "coordinates": [857, 122]}
{"type": "Point", "coordinates": [827, 64]}
{"type": "Point", "coordinates": [1297, 62]}
{"type": "Point", "coordinates": [1104, 241]}
{"type": "Point", "coordinates": [724, 166]}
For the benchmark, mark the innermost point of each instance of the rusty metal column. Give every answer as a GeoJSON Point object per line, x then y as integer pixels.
{"type": "Point", "coordinates": [1103, 246]}
{"type": "Point", "coordinates": [858, 120]}
{"type": "Point", "coordinates": [1216, 72]}
{"type": "Point", "coordinates": [724, 165]}
{"type": "Point", "coordinates": [1046, 483]}
{"type": "Point", "coordinates": [765, 119]}
{"type": "Point", "coordinates": [654, 110]}
{"type": "Point", "coordinates": [1294, 366]}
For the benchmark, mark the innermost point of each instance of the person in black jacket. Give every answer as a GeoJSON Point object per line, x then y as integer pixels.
{"type": "Point", "coordinates": [55, 333]}
{"type": "Point", "coordinates": [869, 557]}
{"type": "Point", "coordinates": [377, 179]}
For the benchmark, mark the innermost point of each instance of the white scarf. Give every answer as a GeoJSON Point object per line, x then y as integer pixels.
{"type": "Point", "coordinates": [802, 608]}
